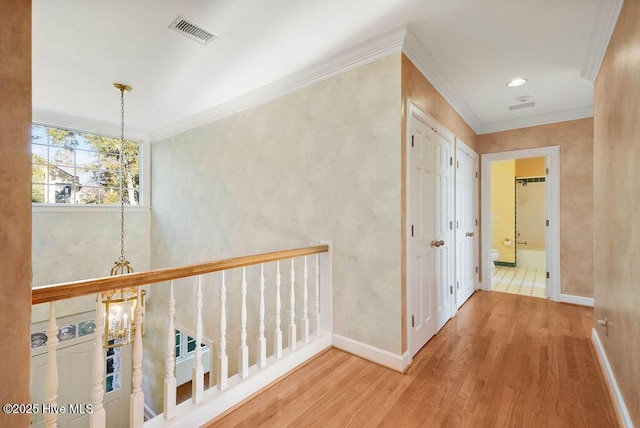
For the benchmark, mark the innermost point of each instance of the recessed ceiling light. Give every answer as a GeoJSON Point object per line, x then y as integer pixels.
{"type": "Point", "coordinates": [517, 82]}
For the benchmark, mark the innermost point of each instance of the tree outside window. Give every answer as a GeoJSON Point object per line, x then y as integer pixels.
{"type": "Point", "coordinates": [72, 167]}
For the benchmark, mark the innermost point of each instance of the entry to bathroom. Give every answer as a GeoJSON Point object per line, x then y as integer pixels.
{"type": "Point", "coordinates": [518, 226]}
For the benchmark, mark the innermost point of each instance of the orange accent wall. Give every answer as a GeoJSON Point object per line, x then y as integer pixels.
{"type": "Point", "coordinates": [617, 204]}
{"type": "Point", "coordinates": [15, 209]}
{"type": "Point", "coordinates": [530, 167]}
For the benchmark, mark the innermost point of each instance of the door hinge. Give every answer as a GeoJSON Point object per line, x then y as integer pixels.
{"type": "Point", "coordinates": [458, 164]}
{"type": "Point", "coordinates": [412, 137]}
{"type": "Point", "coordinates": [547, 171]}
{"type": "Point", "coordinates": [476, 269]}
{"type": "Point", "coordinates": [451, 289]}
{"type": "Point", "coordinates": [457, 224]}
{"type": "Point", "coordinates": [413, 321]}
{"type": "Point", "coordinates": [547, 223]}
{"type": "Point", "coordinates": [458, 285]}
{"type": "Point", "coordinates": [450, 161]}
{"type": "Point", "coordinates": [450, 225]}
{"type": "Point", "coordinates": [476, 222]}
{"type": "Point", "coordinates": [476, 174]}
{"type": "Point", "coordinates": [412, 230]}
{"type": "Point", "coordinates": [548, 276]}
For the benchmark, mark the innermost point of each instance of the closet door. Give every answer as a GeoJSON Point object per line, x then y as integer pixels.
{"type": "Point", "coordinates": [466, 227]}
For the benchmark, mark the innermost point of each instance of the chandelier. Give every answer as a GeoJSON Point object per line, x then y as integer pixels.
{"type": "Point", "coordinates": [120, 305]}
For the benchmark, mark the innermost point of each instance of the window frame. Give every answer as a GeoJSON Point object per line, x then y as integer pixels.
{"type": "Point", "coordinates": [182, 342]}
{"type": "Point", "coordinates": [96, 128]}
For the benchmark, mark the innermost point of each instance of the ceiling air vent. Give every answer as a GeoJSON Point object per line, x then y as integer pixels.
{"type": "Point", "coordinates": [192, 31]}
{"type": "Point", "coordinates": [523, 105]}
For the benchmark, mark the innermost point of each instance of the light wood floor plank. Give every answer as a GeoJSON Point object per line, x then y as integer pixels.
{"type": "Point", "coordinates": [504, 361]}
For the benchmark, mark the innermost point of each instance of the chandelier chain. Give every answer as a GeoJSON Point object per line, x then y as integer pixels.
{"type": "Point", "coordinates": [122, 258]}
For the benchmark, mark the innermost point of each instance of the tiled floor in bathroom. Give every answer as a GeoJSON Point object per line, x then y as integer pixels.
{"type": "Point", "coordinates": [519, 280]}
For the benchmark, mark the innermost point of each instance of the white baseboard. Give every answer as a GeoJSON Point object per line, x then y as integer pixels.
{"type": "Point", "coordinates": [215, 402]}
{"type": "Point", "coordinates": [577, 300]}
{"type": "Point", "coordinates": [618, 401]}
{"type": "Point", "coordinates": [379, 356]}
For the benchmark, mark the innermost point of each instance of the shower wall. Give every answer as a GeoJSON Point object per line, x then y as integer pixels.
{"type": "Point", "coordinates": [530, 214]}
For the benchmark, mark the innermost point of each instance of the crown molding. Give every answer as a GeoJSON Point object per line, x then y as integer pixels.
{"type": "Point", "coordinates": [540, 119]}
{"type": "Point", "coordinates": [357, 56]}
{"type": "Point", "coordinates": [85, 125]}
{"type": "Point", "coordinates": [601, 35]}
{"type": "Point", "coordinates": [424, 61]}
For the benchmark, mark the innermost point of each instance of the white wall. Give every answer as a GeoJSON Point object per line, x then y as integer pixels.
{"type": "Point", "coordinates": [322, 163]}
{"type": "Point", "coordinates": [72, 243]}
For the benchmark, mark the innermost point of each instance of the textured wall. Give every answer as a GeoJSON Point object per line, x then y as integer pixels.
{"type": "Point", "coordinates": [617, 204]}
{"type": "Point", "coordinates": [575, 139]}
{"type": "Point", "coordinates": [531, 167]}
{"type": "Point", "coordinates": [15, 209]}
{"type": "Point", "coordinates": [420, 91]}
{"type": "Point", "coordinates": [72, 245]}
{"type": "Point", "coordinates": [530, 215]}
{"type": "Point", "coordinates": [322, 163]}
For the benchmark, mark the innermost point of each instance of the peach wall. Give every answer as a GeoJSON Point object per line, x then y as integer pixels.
{"type": "Point", "coordinates": [617, 204]}
{"type": "Point", "coordinates": [15, 210]}
{"type": "Point", "coordinates": [417, 88]}
{"type": "Point", "coordinates": [575, 139]}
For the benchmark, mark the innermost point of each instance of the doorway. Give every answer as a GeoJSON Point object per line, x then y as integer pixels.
{"type": "Point", "coordinates": [526, 251]}
{"type": "Point", "coordinates": [518, 214]}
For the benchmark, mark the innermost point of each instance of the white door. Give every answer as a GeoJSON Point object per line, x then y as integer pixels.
{"type": "Point", "coordinates": [466, 223]}
{"type": "Point", "coordinates": [420, 234]}
{"type": "Point", "coordinates": [74, 386]}
{"type": "Point", "coordinates": [443, 201]}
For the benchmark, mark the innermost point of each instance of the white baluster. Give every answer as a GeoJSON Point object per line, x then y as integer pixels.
{"type": "Point", "coordinates": [97, 416]}
{"type": "Point", "coordinates": [197, 382]}
{"type": "Point", "coordinates": [170, 362]}
{"type": "Point", "coordinates": [212, 363]}
{"type": "Point", "coordinates": [292, 310]}
{"type": "Point", "coordinates": [305, 309]}
{"type": "Point", "coordinates": [136, 401]}
{"type": "Point", "coordinates": [51, 378]}
{"type": "Point", "coordinates": [262, 342]}
{"type": "Point", "coordinates": [277, 334]}
{"type": "Point", "coordinates": [223, 363]}
{"type": "Point", "coordinates": [243, 356]}
{"type": "Point", "coordinates": [317, 296]}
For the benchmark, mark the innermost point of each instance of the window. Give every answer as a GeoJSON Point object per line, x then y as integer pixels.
{"type": "Point", "coordinates": [185, 350]}
{"type": "Point", "coordinates": [112, 369]}
{"type": "Point", "coordinates": [73, 167]}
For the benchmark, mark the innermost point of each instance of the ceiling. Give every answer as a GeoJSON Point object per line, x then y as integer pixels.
{"type": "Point", "coordinates": [469, 49]}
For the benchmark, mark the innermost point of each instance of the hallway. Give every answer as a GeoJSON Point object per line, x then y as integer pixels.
{"type": "Point", "coordinates": [503, 360]}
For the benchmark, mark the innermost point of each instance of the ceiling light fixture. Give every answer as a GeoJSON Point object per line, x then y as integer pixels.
{"type": "Point", "coordinates": [119, 306]}
{"type": "Point", "coordinates": [517, 82]}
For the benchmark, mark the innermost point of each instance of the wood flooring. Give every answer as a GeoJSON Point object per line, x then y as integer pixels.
{"type": "Point", "coordinates": [503, 361]}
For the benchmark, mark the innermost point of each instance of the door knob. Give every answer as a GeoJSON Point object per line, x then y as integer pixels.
{"type": "Point", "coordinates": [470, 234]}
{"type": "Point", "coordinates": [441, 242]}
{"type": "Point", "coordinates": [436, 243]}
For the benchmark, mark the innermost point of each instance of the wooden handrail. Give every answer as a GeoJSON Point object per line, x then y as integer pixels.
{"type": "Point", "coordinates": [68, 290]}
